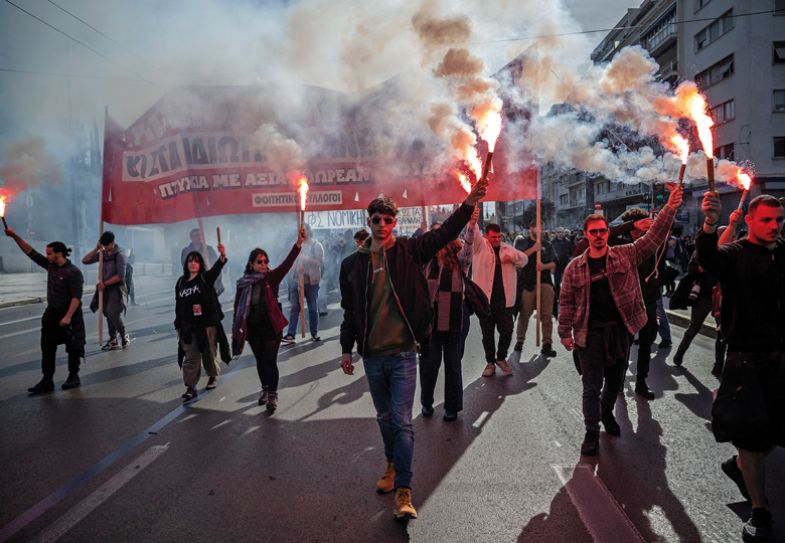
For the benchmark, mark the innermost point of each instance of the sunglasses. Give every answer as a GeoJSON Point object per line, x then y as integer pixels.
{"type": "Point", "coordinates": [598, 231]}
{"type": "Point", "coordinates": [387, 220]}
{"type": "Point", "coordinates": [262, 261]}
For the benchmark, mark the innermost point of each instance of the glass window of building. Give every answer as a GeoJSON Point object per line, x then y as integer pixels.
{"type": "Point", "coordinates": [779, 147]}
{"type": "Point", "coordinates": [779, 52]}
{"type": "Point", "coordinates": [779, 100]}
{"type": "Point", "coordinates": [724, 112]}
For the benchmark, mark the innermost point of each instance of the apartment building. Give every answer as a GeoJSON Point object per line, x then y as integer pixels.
{"type": "Point", "coordinates": [735, 51]}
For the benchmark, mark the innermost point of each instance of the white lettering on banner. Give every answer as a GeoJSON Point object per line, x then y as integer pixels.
{"type": "Point", "coordinates": [288, 199]}
{"type": "Point", "coordinates": [409, 219]}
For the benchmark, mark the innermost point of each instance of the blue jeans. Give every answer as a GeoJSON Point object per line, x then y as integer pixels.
{"type": "Point", "coordinates": [662, 319]}
{"type": "Point", "coordinates": [311, 295]}
{"type": "Point", "coordinates": [391, 381]}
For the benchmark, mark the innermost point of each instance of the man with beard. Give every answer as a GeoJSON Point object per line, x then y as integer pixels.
{"type": "Point", "coordinates": [62, 321]}
{"type": "Point", "coordinates": [749, 410]}
{"type": "Point", "coordinates": [113, 285]}
{"type": "Point", "coordinates": [601, 308]}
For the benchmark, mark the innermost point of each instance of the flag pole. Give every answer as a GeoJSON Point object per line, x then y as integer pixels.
{"type": "Point", "coordinates": [538, 219]}
{"type": "Point", "coordinates": [301, 280]}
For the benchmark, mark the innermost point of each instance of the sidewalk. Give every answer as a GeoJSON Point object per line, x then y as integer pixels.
{"type": "Point", "coordinates": [30, 288]}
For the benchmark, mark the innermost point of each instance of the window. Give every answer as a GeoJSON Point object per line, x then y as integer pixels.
{"type": "Point", "coordinates": [601, 187]}
{"type": "Point", "coordinates": [779, 147]}
{"type": "Point", "coordinates": [700, 3]}
{"type": "Point", "coordinates": [779, 52]}
{"type": "Point", "coordinates": [714, 30]}
{"type": "Point", "coordinates": [779, 100]}
{"type": "Point", "coordinates": [716, 73]}
{"type": "Point", "coordinates": [779, 7]}
{"type": "Point", "coordinates": [725, 151]}
{"type": "Point", "coordinates": [660, 32]}
{"type": "Point", "coordinates": [724, 112]}
{"type": "Point", "coordinates": [564, 199]}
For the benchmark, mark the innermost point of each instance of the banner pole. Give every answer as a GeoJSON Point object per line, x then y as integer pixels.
{"type": "Point", "coordinates": [538, 214]}
{"type": "Point", "coordinates": [101, 280]}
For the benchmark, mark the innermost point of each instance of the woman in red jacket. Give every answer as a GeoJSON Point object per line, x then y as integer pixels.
{"type": "Point", "coordinates": [258, 318]}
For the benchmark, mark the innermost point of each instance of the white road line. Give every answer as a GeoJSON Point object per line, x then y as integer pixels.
{"type": "Point", "coordinates": [222, 423]}
{"type": "Point", "coordinates": [481, 419]}
{"type": "Point", "coordinates": [36, 317]}
{"type": "Point", "coordinates": [21, 333]}
{"type": "Point", "coordinates": [600, 512]}
{"type": "Point", "coordinates": [557, 443]}
{"type": "Point", "coordinates": [78, 512]}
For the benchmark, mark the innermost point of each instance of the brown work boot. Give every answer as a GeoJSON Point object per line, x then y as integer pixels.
{"type": "Point", "coordinates": [386, 482]}
{"type": "Point", "coordinates": [403, 504]}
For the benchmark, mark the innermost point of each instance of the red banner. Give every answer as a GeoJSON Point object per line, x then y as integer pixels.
{"type": "Point", "coordinates": [170, 167]}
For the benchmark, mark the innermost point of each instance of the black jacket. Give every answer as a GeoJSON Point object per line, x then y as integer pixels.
{"type": "Point", "coordinates": [752, 278]}
{"type": "Point", "coordinates": [405, 260]}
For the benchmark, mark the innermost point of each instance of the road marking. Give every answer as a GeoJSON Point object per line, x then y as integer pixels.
{"type": "Point", "coordinates": [222, 423]}
{"type": "Point", "coordinates": [20, 333]}
{"type": "Point", "coordinates": [36, 317]}
{"type": "Point", "coordinates": [600, 512]}
{"type": "Point", "coordinates": [249, 430]}
{"type": "Point", "coordinates": [557, 443]}
{"type": "Point", "coordinates": [62, 525]}
{"type": "Point", "coordinates": [481, 419]}
{"type": "Point", "coordinates": [83, 478]}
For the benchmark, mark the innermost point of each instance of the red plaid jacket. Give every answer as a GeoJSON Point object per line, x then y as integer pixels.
{"type": "Point", "coordinates": [622, 267]}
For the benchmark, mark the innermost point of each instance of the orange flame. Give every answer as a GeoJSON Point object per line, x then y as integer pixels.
{"type": "Point", "coordinates": [744, 179]}
{"type": "Point", "coordinates": [682, 147]}
{"type": "Point", "coordinates": [2, 206]}
{"type": "Point", "coordinates": [703, 122]}
{"type": "Point", "coordinates": [489, 126]}
{"type": "Point", "coordinates": [302, 188]}
{"type": "Point", "coordinates": [464, 181]}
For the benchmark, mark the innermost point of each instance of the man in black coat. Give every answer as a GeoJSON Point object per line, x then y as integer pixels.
{"type": "Point", "coordinates": [387, 314]}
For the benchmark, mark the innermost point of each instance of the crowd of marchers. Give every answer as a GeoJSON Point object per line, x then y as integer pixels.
{"type": "Point", "coordinates": [407, 304]}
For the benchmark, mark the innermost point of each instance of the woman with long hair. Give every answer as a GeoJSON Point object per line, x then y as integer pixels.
{"type": "Point", "coordinates": [445, 275]}
{"type": "Point", "coordinates": [197, 317]}
{"type": "Point", "coordinates": [258, 318]}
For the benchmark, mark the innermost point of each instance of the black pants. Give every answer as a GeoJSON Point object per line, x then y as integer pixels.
{"type": "Point", "coordinates": [447, 345]}
{"type": "Point", "coordinates": [646, 338]}
{"type": "Point", "coordinates": [265, 350]}
{"type": "Point", "coordinates": [699, 312]}
{"type": "Point", "coordinates": [603, 367]}
{"type": "Point", "coordinates": [501, 319]}
{"type": "Point", "coordinates": [52, 335]}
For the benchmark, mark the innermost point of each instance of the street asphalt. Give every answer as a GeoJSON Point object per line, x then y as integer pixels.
{"type": "Point", "coordinates": [121, 458]}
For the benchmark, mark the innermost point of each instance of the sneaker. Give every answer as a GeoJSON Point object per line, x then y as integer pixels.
{"type": "Point", "coordinates": [505, 367]}
{"type": "Point", "coordinates": [518, 346]}
{"type": "Point", "coordinates": [591, 443]}
{"type": "Point", "coordinates": [315, 338]}
{"type": "Point", "coordinates": [44, 385]}
{"type": "Point", "coordinates": [288, 339]}
{"type": "Point", "coordinates": [212, 382]}
{"type": "Point", "coordinates": [71, 382]}
{"type": "Point", "coordinates": [547, 350]}
{"type": "Point", "coordinates": [403, 504]}
{"type": "Point", "coordinates": [427, 410]}
{"type": "Point", "coordinates": [665, 344]}
{"type": "Point", "coordinates": [263, 397]}
{"type": "Point", "coordinates": [611, 426]}
{"type": "Point", "coordinates": [490, 369]}
{"type": "Point", "coordinates": [189, 394]}
{"type": "Point", "coordinates": [126, 340]}
{"type": "Point", "coordinates": [386, 482]}
{"type": "Point", "coordinates": [758, 527]}
{"type": "Point", "coordinates": [450, 416]}
{"type": "Point", "coordinates": [731, 469]}
{"type": "Point", "coordinates": [642, 390]}
{"type": "Point", "coordinates": [110, 345]}
{"type": "Point", "coordinates": [272, 401]}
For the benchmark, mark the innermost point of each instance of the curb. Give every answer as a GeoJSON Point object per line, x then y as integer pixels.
{"type": "Point", "coordinates": [24, 301]}
{"type": "Point", "coordinates": [684, 321]}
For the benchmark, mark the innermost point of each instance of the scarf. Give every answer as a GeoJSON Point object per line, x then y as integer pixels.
{"type": "Point", "coordinates": [242, 305]}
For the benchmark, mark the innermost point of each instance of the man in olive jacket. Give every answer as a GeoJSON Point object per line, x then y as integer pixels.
{"type": "Point", "coordinates": [387, 313]}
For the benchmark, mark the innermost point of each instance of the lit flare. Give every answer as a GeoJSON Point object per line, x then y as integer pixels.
{"type": "Point", "coordinates": [302, 189]}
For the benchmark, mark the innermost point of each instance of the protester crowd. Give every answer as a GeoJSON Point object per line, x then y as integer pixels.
{"type": "Point", "coordinates": [407, 303]}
